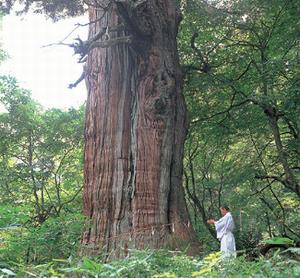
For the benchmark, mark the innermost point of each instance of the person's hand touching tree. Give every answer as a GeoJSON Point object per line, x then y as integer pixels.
{"type": "Point", "coordinates": [211, 221]}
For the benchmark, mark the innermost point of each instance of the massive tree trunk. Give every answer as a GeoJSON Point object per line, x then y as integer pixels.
{"type": "Point", "coordinates": [135, 130]}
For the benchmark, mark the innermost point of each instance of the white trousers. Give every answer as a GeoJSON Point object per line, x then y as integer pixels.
{"type": "Point", "coordinates": [228, 246]}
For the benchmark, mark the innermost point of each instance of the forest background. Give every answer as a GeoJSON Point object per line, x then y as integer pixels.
{"type": "Point", "coordinates": [240, 61]}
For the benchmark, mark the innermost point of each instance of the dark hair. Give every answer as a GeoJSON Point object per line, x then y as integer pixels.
{"type": "Point", "coordinates": [225, 207]}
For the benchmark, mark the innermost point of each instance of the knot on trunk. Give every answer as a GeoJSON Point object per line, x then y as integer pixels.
{"type": "Point", "coordinates": [160, 105]}
{"type": "Point", "coordinates": [164, 82]}
{"type": "Point", "coordinates": [164, 86]}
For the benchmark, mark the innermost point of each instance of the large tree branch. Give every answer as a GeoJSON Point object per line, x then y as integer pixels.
{"type": "Point", "coordinates": [205, 67]}
{"type": "Point", "coordinates": [62, 205]}
{"type": "Point", "coordinates": [222, 112]}
{"type": "Point", "coordinates": [275, 178]}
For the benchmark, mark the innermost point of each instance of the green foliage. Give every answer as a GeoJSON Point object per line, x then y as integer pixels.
{"type": "Point", "coordinates": [139, 264]}
{"type": "Point", "coordinates": [40, 179]}
{"type": "Point", "coordinates": [3, 54]}
{"type": "Point", "coordinates": [161, 264]}
{"type": "Point", "coordinates": [209, 263]}
{"type": "Point", "coordinates": [249, 238]}
{"type": "Point", "coordinates": [238, 59]}
{"type": "Point", "coordinates": [10, 215]}
{"type": "Point", "coordinates": [55, 9]}
{"type": "Point", "coordinates": [279, 265]}
{"type": "Point", "coordinates": [56, 238]}
{"type": "Point", "coordinates": [279, 241]}
{"type": "Point", "coordinates": [41, 154]}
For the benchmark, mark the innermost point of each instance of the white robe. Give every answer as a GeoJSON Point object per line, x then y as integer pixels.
{"type": "Point", "coordinates": [224, 228]}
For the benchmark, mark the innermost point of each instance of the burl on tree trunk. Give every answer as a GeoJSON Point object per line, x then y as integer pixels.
{"type": "Point", "coordinates": [135, 131]}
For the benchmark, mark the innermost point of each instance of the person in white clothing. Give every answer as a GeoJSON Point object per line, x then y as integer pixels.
{"type": "Point", "coordinates": [224, 228]}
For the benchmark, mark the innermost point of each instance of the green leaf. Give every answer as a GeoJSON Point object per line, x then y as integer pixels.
{"type": "Point", "coordinates": [279, 241]}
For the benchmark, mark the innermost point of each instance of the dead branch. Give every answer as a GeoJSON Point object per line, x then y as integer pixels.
{"type": "Point", "coordinates": [73, 85]}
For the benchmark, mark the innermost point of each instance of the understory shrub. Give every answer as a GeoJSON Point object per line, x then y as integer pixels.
{"type": "Point", "coordinates": [56, 238]}
{"type": "Point", "coordinates": [161, 264]}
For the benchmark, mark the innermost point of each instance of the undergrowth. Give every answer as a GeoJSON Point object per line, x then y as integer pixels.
{"type": "Point", "coordinates": [160, 264]}
{"type": "Point", "coordinates": [51, 250]}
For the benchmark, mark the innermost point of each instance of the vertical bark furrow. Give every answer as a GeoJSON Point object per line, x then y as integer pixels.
{"type": "Point", "coordinates": [135, 129]}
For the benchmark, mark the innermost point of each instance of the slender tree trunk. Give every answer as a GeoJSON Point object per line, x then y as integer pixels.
{"type": "Point", "coordinates": [291, 182]}
{"type": "Point", "coordinates": [135, 131]}
{"type": "Point", "coordinates": [272, 115]}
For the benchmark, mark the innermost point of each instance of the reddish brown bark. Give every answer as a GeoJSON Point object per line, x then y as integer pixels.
{"type": "Point", "coordinates": [134, 134]}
